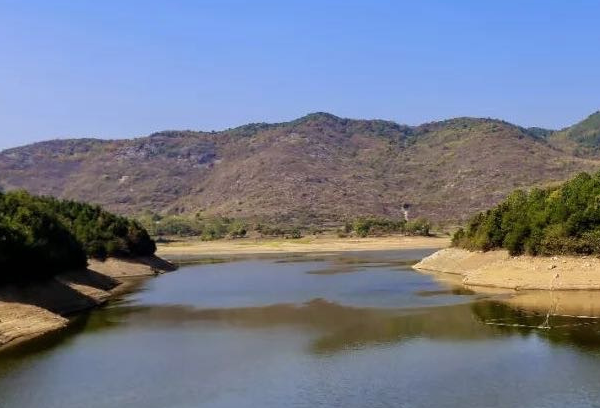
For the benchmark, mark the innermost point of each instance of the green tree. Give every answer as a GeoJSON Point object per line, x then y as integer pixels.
{"type": "Point", "coordinates": [559, 220]}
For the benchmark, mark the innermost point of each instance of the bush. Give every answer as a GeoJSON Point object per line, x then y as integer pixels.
{"type": "Point", "coordinates": [214, 229]}
{"type": "Point", "coordinates": [295, 233]}
{"type": "Point", "coordinates": [237, 229]}
{"type": "Point", "coordinates": [420, 226]}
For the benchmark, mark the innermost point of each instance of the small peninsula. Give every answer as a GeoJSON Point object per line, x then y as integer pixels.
{"type": "Point", "coordinates": [547, 239]}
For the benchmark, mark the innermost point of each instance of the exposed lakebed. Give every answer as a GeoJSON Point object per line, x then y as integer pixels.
{"type": "Point", "coordinates": [342, 330]}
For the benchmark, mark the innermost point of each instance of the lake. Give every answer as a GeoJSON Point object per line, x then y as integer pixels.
{"type": "Point", "coordinates": [340, 330]}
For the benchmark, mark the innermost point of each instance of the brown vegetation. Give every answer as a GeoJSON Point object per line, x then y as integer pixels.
{"type": "Point", "coordinates": [318, 168]}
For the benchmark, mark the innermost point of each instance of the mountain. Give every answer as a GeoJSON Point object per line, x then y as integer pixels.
{"type": "Point", "coordinates": [581, 139]}
{"type": "Point", "coordinates": [316, 168]}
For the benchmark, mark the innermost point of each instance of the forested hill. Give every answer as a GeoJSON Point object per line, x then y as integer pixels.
{"type": "Point", "coordinates": [563, 219]}
{"type": "Point", "coordinates": [42, 236]}
{"type": "Point", "coordinates": [316, 168]}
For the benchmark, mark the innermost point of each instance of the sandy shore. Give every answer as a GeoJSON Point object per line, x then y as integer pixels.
{"type": "Point", "coordinates": [191, 249]}
{"type": "Point", "coordinates": [497, 269]}
{"type": "Point", "coordinates": [33, 310]}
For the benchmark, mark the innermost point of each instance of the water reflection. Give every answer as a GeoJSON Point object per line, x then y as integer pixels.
{"type": "Point", "coordinates": [566, 317]}
{"type": "Point", "coordinates": [337, 327]}
{"type": "Point", "coordinates": [378, 334]}
{"type": "Point", "coordinates": [456, 291]}
{"type": "Point", "coordinates": [542, 320]}
{"type": "Point", "coordinates": [355, 264]}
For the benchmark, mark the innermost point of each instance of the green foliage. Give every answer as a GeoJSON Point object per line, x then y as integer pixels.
{"type": "Point", "coordinates": [41, 236]}
{"type": "Point", "coordinates": [559, 220]}
{"type": "Point", "coordinates": [185, 226]}
{"type": "Point", "coordinates": [295, 233]}
{"type": "Point", "coordinates": [175, 225]}
{"type": "Point", "coordinates": [237, 229]}
{"type": "Point", "coordinates": [373, 226]}
{"type": "Point", "coordinates": [214, 229]}
{"type": "Point", "coordinates": [365, 226]}
{"type": "Point", "coordinates": [420, 226]}
{"type": "Point", "coordinates": [34, 244]}
{"type": "Point", "coordinates": [269, 231]}
{"type": "Point", "coordinates": [278, 231]}
{"type": "Point", "coordinates": [101, 233]}
{"type": "Point", "coordinates": [587, 132]}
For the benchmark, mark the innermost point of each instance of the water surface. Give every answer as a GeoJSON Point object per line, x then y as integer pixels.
{"type": "Point", "coordinates": [349, 330]}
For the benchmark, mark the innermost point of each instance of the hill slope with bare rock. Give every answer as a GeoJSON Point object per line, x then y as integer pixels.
{"type": "Point", "coordinates": [316, 168]}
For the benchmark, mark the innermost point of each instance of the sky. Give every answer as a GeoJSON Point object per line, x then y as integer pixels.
{"type": "Point", "coordinates": [127, 68]}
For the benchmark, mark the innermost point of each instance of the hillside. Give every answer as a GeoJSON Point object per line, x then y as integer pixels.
{"type": "Point", "coordinates": [316, 168]}
{"type": "Point", "coordinates": [581, 139]}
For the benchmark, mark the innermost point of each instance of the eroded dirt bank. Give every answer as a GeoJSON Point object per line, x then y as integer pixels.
{"type": "Point", "coordinates": [497, 269]}
{"type": "Point", "coordinates": [33, 310]}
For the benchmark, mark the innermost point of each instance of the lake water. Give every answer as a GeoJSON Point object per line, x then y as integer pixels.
{"type": "Point", "coordinates": [351, 330]}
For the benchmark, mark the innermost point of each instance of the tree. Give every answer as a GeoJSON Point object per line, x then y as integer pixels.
{"type": "Point", "coordinates": [558, 220]}
{"type": "Point", "coordinates": [42, 236]}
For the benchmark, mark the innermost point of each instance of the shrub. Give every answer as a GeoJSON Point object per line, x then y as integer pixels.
{"type": "Point", "coordinates": [269, 231]}
{"type": "Point", "coordinates": [420, 226]}
{"type": "Point", "coordinates": [373, 226]}
{"type": "Point", "coordinates": [295, 233]}
{"type": "Point", "coordinates": [365, 226]}
{"type": "Point", "coordinates": [237, 229]}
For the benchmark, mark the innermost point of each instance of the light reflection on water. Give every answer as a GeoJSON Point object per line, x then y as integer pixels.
{"type": "Point", "coordinates": [349, 330]}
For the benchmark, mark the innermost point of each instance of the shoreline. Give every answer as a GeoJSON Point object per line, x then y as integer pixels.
{"type": "Point", "coordinates": [35, 310]}
{"type": "Point", "coordinates": [499, 270]}
{"type": "Point", "coordinates": [31, 311]}
{"type": "Point", "coordinates": [191, 249]}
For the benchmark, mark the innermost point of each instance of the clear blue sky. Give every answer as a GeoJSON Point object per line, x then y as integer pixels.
{"type": "Point", "coordinates": [123, 68]}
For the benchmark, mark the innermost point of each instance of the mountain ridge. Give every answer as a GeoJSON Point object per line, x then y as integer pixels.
{"type": "Point", "coordinates": [314, 169]}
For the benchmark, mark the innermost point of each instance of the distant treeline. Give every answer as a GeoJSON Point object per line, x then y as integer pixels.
{"type": "Point", "coordinates": [373, 226]}
{"type": "Point", "coordinates": [208, 228]}
{"type": "Point", "coordinates": [551, 221]}
{"type": "Point", "coordinates": [42, 236]}
{"type": "Point", "coordinates": [211, 228]}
